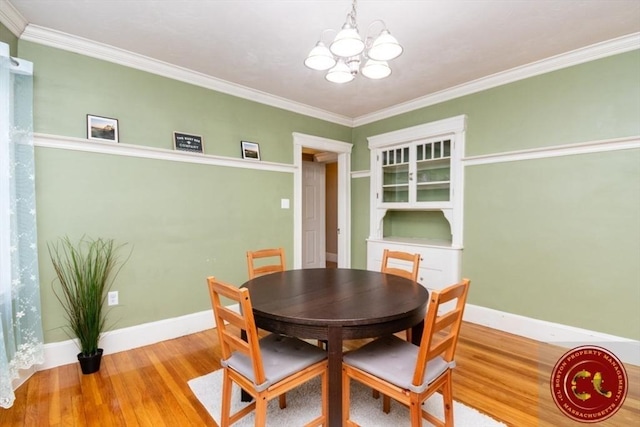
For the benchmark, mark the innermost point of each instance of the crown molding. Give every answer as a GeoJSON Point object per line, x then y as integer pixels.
{"type": "Point", "coordinates": [11, 18]}
{"type": "Point", "coordinates": [90, 48]}
{"type": "Point", "coordinates": [33, 33]}
{"type": "Point", "coordinates": [565, 60]}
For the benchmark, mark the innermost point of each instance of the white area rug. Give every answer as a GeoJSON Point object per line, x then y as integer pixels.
{"type": "Point", "coordinates": [303, 405]}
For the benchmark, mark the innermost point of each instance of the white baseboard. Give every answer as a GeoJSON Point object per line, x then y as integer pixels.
{"type": "Point", "coordinates": [63, 353]}
{"type": "Point", "coordinates": [332, 257]}
{"type": "Point", "coordinates": [627, 350]}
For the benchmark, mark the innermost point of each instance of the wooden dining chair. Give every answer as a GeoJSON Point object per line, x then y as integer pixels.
{"type": "Point", "coordinates": [266, 263]}
{"type": "Point", "coordinates": [411, 261]}
{"type": "Point", "coordinates": [265, 368]}
{"type": "Point", "coordinates": [408, 373]}
{"type": "Point", "coordinates": [259, 268]}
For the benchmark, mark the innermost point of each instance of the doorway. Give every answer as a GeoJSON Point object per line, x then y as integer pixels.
{"type": "Point", "coordinates": [343, 152]}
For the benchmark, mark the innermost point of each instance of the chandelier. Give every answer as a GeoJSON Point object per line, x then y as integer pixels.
{"type": "Point", "coordinates": [348, 51]}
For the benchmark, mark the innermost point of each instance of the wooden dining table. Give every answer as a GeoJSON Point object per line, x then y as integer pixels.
{"type": "Point", "coordinates": [334, 305]}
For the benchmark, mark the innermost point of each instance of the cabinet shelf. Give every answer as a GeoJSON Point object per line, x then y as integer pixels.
{"type": "Point", "coordinates": [432, 185]}
{"type": "Point", "coordinates": [435, 163]}
{"type": "Point", "coordinates": [396, 168]}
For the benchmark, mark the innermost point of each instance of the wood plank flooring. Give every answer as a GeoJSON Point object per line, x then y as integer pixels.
{"type": "Point", "coordinates": [502, 375]}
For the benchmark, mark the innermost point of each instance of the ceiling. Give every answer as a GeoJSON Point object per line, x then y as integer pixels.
{"type": "Point", "coordinates": [262, 44]}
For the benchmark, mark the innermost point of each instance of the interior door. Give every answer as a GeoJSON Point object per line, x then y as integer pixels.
{"type": "Point", "coordinates": [313, 215]}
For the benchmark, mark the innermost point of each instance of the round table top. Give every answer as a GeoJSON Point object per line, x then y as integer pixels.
{"type": "Point", "coordinates": [344, 297]}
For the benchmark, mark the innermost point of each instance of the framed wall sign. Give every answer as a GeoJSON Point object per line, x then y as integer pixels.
{"type": "Point", "coordinates": [186, 142]}
{"type": "Point", "coordinates": [250, 150]}
{"type": "Point", "coordinates": [102, 128]}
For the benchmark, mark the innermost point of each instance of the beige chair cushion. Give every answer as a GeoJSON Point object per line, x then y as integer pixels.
{"type": "Point", "coordinates": [394, 360]}
{"type": "Point", "coordinates": [282, 356]}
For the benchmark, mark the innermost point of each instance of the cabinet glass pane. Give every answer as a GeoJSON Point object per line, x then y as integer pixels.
{"type": "Point", "coordinates": [446, 148]}
{"type": "Point", "coordinates": [397, 194]}
{"type": "Point", "coordinates": [393, 175]}
{"type": "Point", "coordinates": [437, 150]}
{"type": "Point", "coordinates": [433, 193]}
{"type": "Point", "coordinates": [433, 171]}
{"type": "Point", "coordinates": [396, 156]}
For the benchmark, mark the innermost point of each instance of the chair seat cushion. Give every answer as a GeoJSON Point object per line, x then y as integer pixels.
{"type": "Point", "coordinates": [281, 356]}
{"type": "Point", "coordinates": [394, 360]}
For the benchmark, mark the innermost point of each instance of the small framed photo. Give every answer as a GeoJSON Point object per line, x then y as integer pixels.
{"type": "Point", "coordinates": [186, 142]}
{"type": "Point", "coordinates": [250, 150]}
{"type": "Point", "coordinates": [102, 128]}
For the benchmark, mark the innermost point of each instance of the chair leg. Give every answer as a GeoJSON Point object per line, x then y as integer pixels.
{"type": "Point", "coordinates": [386, 404]}
{"type": "Point", "coordinates": [375, 393]}
{"type": "Point", "coordinates": [261, 411]}
{"type": "Point", "coordinates": [346, 398]}
{"type": "Point", "coordinates": [409, 335]}
{"type": "Point", "coordinates": [415, 408]}
{"type": "Point", "coordinates": [325, 397]}
{"type": "Point", "coordinates": [447, 400]}
{"type": "Point", "coordinates": [283, 401]}
{"type": "Point", "coordinates": [226, 400]}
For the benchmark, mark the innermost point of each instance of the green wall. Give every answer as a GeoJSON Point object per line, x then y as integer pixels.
{"type": "Point", "coordinates": [558, 239]}
{"type": "Point", "coordinates": [182, 221]}
{"type": "Point", "coordinates": [554, 239]}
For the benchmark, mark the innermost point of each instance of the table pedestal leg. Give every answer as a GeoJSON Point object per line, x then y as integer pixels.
{"type": "Point", "coordinates": [416, 333]}
{"type": "Point", "coordinates": [335, 375]}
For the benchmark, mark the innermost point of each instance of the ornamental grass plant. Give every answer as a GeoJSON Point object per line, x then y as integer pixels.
{"type": "Point", "coordinates": [85, 272]}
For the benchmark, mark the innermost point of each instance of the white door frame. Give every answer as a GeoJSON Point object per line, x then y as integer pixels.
{"type": "Point", "coordinates": [344, 194]}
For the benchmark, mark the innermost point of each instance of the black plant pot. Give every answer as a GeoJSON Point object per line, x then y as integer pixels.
{"type": "Point", "coordinates": [90, 364]}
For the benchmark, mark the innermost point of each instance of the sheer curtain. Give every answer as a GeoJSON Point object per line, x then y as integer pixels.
{"type": "Point", "coordinates": [21, 343]}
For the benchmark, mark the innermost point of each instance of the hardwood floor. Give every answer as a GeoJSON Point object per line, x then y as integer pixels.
{"type": "Point", "coordinates": [502, 375]}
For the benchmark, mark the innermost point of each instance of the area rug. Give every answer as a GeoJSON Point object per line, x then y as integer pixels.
{"type": "Point", "coordinates": [303, 405]}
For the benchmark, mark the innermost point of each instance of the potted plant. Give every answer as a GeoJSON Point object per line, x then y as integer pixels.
{"type": "Point", "coordinates": [84, 274]}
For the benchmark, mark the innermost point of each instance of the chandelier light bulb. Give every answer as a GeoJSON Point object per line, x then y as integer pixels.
{"type": "Point", "coordinates": [347, 42]}
{"type": "Point", "coordinates": [385, 47]}
{"type": "Point", "coordinates": [340, 73]}
{"type": "Point", "coordinates": [376, 69]}
{"type": "Point", "coordinates": [320, 58]}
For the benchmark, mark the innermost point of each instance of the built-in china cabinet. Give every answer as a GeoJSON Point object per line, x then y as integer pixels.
{"type": "Point", "coordinates": [418, 169]}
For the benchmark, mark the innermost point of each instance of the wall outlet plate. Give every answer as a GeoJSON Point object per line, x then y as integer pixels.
{"type": "Point", "coordinates": [112, 298]}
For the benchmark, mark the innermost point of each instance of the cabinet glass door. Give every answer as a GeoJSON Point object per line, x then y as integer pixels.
{"type": "Point", "coordinates": [395, 175]}
{"type": "Point", "coordinates": [433, 171]}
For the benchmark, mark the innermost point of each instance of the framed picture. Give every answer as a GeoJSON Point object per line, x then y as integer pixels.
{"type": "Point", "coordinates": [250, 150]}
{"type": "Point", "coordinates": [102, 128]}
{"type": "Point", "coordinates": [185, 142]}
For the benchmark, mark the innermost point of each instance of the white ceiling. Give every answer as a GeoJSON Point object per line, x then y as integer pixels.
{"type": "Point", "coordinates": [262, 44]}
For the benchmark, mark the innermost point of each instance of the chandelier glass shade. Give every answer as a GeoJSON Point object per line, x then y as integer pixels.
{"type": "Point", "coordinates": [348, 51]}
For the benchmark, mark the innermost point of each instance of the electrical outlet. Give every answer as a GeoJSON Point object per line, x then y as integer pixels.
{"type": "Point", "coordinates": [113, 298]}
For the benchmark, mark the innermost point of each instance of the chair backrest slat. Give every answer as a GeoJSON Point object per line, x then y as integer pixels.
{"type": "Point", "coordinates": [413, 259]}
{"type": "Point", "coordinates": [256, 269]}
{"type": "Point", "coordinates": [441, 330]}
{"type": "Point", "coordinates": [244, 321]}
